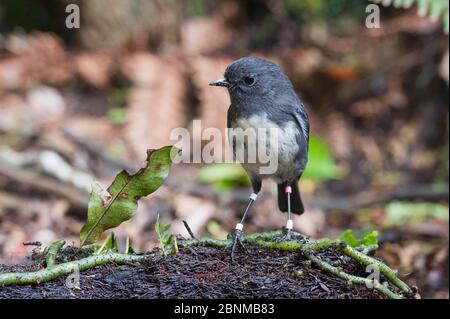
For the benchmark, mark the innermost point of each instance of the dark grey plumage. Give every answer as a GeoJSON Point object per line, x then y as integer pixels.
{"type": "Point", "coordinates": [264, 106]}
{"type": "Point", "coordinates": [262, 96]}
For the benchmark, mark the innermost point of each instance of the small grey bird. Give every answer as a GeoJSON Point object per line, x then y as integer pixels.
{"type": "Point", "coordinates": [262, 97]}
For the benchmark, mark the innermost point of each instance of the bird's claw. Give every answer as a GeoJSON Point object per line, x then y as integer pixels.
{"type": "Point", "coordinates": [237, 240]}
{"type": "Point", "coordinates": [287, 235]}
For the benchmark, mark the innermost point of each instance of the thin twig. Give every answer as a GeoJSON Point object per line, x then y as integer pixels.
{"type": "Point", "coordinates": [32, 243]}
{"type": "Point", "coordinates": [189, 230]}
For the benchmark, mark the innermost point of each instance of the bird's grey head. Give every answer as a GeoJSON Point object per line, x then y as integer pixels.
{"type": "Point", "coordinates": [252, 77]}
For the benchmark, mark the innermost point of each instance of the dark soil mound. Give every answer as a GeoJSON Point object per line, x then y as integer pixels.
{"type": "Point", "coordinates": [201, 272]}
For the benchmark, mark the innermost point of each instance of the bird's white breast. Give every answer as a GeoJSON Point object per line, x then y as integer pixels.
{"type": "Point", "coordinates": [280, 142]}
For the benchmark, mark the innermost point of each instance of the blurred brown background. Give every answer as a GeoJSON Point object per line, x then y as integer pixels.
{"type": "Point", "coordinates": [78, 105]}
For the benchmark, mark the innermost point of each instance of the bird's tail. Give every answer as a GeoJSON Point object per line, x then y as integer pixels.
{"type": "Point", "coordinates": [296, 200]}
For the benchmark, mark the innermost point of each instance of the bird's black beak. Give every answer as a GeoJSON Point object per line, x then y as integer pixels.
{"type": "Point", "coordinates": [220, 82]}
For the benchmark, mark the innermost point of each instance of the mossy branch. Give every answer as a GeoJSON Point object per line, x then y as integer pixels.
{"type": "Point", "coordinates": [267, 240]}
{"type": "Point", "coordinates": [351, 278]}
{"type": "Point", "coordinates": [367, 260]}
{"type": "Point", "coordinates": [64, 269]}
{"type": "Point", "coordinates": [368, 250]}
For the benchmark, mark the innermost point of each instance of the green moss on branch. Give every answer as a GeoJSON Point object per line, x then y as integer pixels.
{"type": "Point", "coordinates": [49, 274]}
{"type": "Point", "coordinates": [351, 278]}
{"type": "Point", "coordinates": [367, 260]}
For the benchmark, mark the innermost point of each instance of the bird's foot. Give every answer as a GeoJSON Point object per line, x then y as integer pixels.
{"type": "Point", "coordinates": [287, 235]}
{"type": "Point", "coordinates": [237, 241]}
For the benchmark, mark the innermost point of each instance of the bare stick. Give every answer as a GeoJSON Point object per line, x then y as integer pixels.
{"type": "Point", "coordinates": [188, 229]}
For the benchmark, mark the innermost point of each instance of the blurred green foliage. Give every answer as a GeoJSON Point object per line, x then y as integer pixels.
{"type": "Point", "coordinates": [297, 9]}
{"type": "Point", "coordinates": [214, 228]}
{"type": "Point", "coordinates": [194, 7]}
{"type": "Point", "coordinates": [117, 115]}
{"type": "Point", "coordinates": [223, 176]}
{"type": "Point", "coordinates": [118, 98]}
{"type": "Point", "coordinates": [400, 213]}
{"type": "Point", "coordinates": [324, 10]}
{"type": "Point", "coordinates": [321, 164]}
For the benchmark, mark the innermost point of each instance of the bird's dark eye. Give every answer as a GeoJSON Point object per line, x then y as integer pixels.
{"type": "Point", "coordinates": [249, 80]}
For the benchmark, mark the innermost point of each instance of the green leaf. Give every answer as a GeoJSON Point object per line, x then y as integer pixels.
{"type": "Point", "coordinates": [321, 164]}
{"type": "Point", "coordinates": [350, 239]}
{"type": "Point", "coordinates": [123, 194]}
{"type": "Point", "coordinates": [128, 247]}
{"type": "Point", "coordinates": [370, 238]}
{"type": "Point", "coordinates": [165, 239]}
{"type": "Point", "coordinates": [110, 244]}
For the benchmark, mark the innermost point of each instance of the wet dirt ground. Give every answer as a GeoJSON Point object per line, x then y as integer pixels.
{"type": "Point", "coordinates": [201, 272]}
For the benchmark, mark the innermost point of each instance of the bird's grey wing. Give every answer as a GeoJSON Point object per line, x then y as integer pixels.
{"type": "Point", "coordinates": [300, 117]}
{"type": "Point", "coordinates": [293, 106]}
{"type": "Point", "coordinates": [302, 120]}
{"type": "Point", "coordinates": [231, 115]}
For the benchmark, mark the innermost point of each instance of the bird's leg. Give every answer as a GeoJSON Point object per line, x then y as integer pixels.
{"type": "Point", "coordinates": [239, 226]}
{"type": "Point", "coordinates": [290, 222]}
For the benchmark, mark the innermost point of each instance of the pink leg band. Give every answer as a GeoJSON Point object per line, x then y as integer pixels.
{"type": "Point", "coordinates": [288, 189]}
